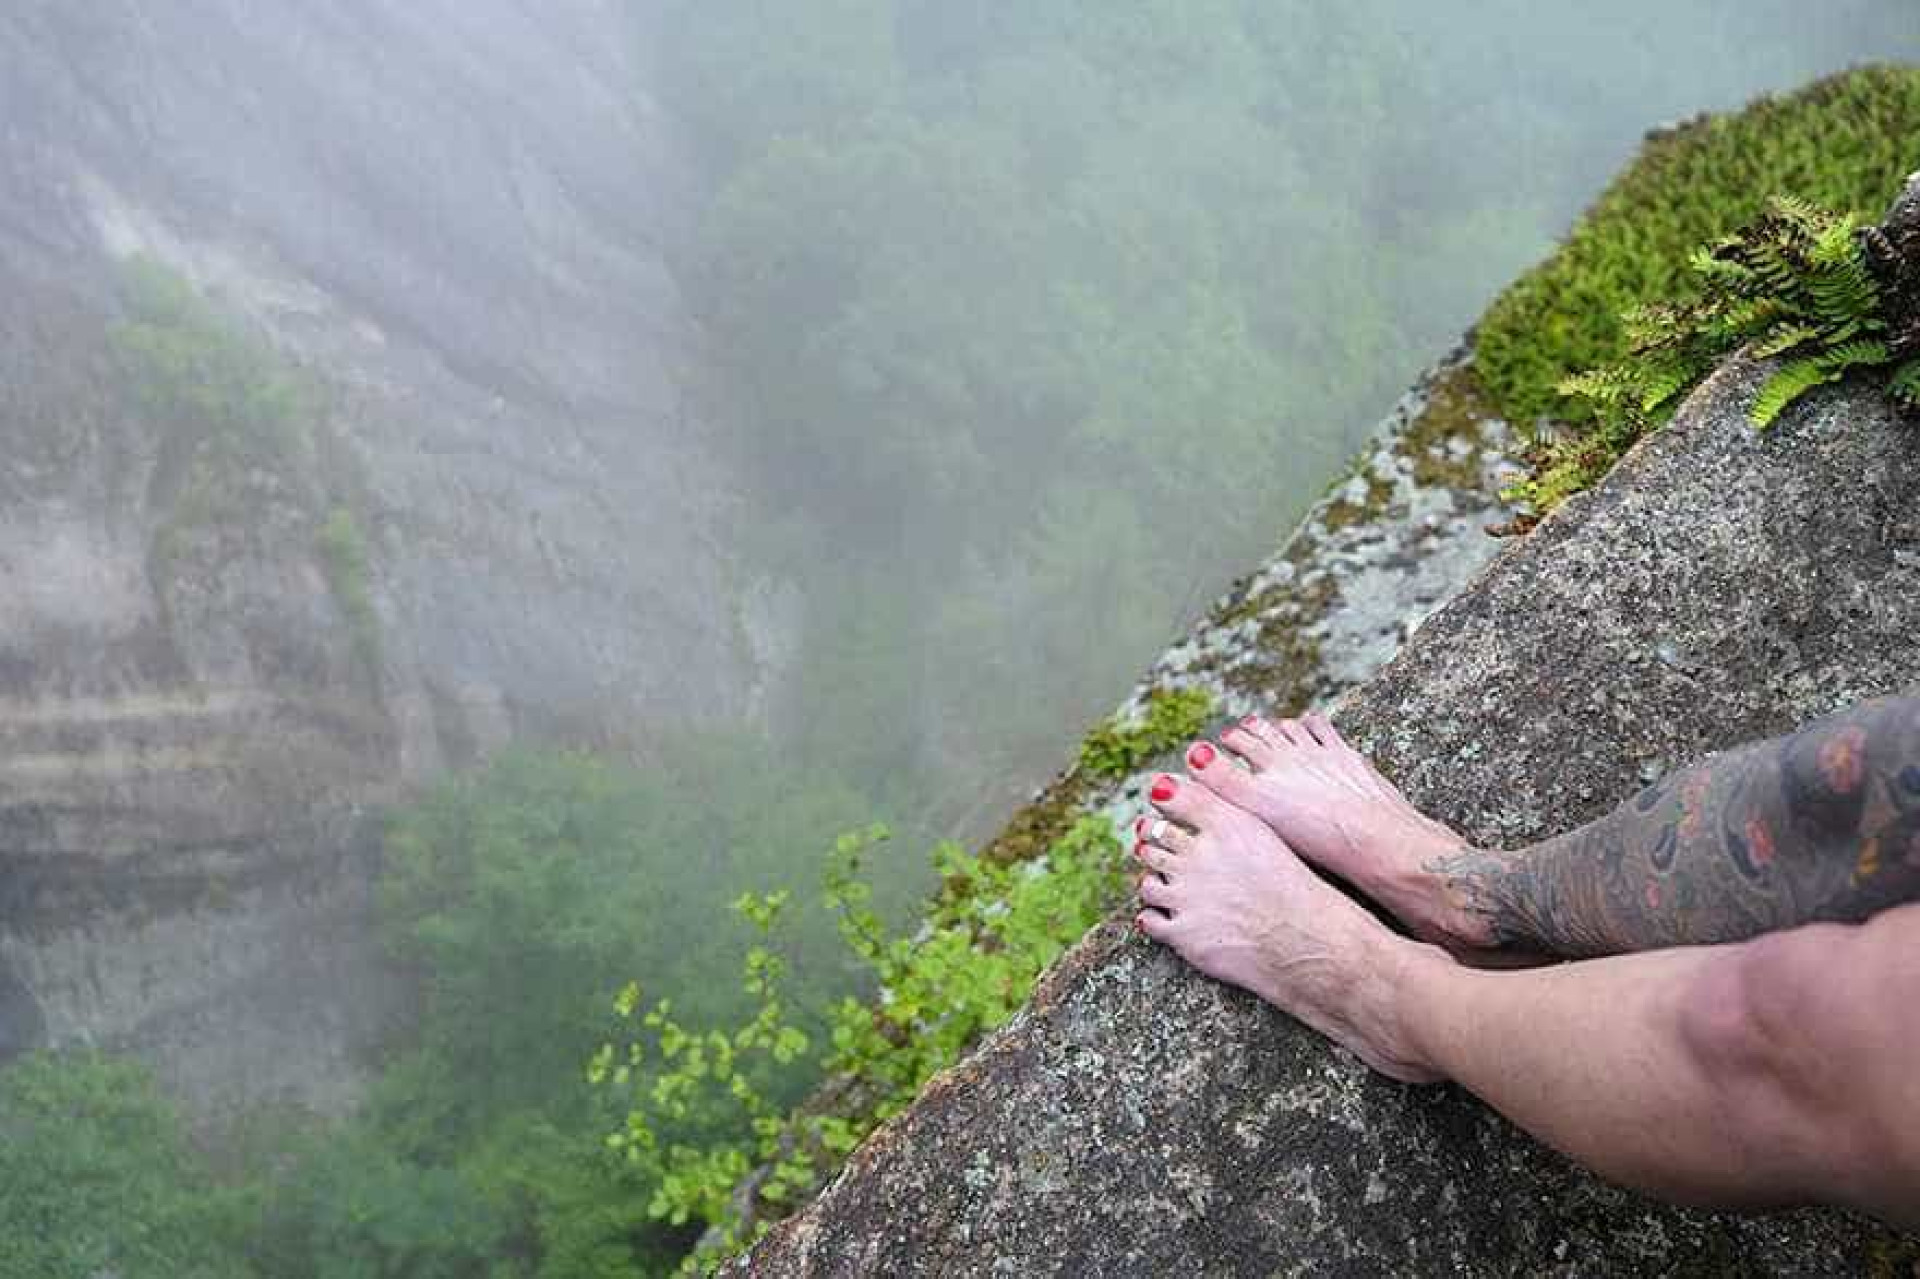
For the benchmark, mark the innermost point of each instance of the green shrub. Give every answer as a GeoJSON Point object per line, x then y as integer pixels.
{"type": "Point", "coordinates": [1843, 143]}
{"type": "Point", "coordinates": [968, 966]}
{"type": "Point", "coordinates": [97, 1178]}
{"type": "Point", "coordinates": [217, 387]}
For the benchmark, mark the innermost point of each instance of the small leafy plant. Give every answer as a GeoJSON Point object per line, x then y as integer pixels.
{"type": "Point", "coordinates": [1795, 285]}
{"type": "Point", "coordinates": [967, 967]}
{"type": "Point", "coordinates": [1171, 716]}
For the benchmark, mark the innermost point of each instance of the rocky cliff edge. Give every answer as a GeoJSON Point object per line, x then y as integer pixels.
{"type": "Point", "coordinates": [1139, 1119]}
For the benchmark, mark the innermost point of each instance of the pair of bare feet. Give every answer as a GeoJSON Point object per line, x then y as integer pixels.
{"type": "Point", "coordinates": [1230, 885]}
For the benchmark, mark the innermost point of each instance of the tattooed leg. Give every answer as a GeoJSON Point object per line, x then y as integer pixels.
{"type": "Point", "coordinates": [1823, 824]}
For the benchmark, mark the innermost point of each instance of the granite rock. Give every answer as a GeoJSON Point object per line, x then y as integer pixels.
{"type": "Point", "coordinates": [1136, 1118]}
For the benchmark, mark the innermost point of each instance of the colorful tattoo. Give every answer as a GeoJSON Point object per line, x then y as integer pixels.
{"type": "Point", "coordinates": [1823, 824]}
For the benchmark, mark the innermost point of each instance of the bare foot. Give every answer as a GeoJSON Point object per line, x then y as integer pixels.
{"type": "Point", "coordinates": [1227, 894]}
{"type": "Point", "coordinates": [1338, 812]}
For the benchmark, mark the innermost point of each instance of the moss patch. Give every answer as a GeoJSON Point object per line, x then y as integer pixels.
{"type": "Point", "coordinates": [1343, 512]}
{"type": "Point", "coordinates": [344, 553]}
{"type": "Point", "coordinates": [1170, 717]}
{"type": "Point", "coordinates": [1456, 406]}
{"type": "Point", "coordinates": [1051, 814]}
{"type": "Point", "coordinates": [1844, 143]}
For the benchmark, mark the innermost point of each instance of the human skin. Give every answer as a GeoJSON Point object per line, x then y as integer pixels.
{"type": "Point", "coordinates": [1753, 1075]}
{"type": "Point", "coordinates": [1819, 825]}
{"type": "Point", "coordinates": [1746, 1074]}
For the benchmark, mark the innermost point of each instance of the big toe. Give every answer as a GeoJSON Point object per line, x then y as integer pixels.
{"type": "Point", "coordinates": [1190, 802]}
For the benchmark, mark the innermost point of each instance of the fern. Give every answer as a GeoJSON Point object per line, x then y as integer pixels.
{"type": "Point", "coordinates": [1795, 284]}
{"type": "Point", "coordinates": [1783, 337]}
{"type": "Point", "coordinates": [1904, 386]}
{"type": "Point", "coordinates": [1788, 383]}
{"type": "Point", "coordinates": [1860, 353]}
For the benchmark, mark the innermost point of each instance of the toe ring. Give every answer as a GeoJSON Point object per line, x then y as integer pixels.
{"type": "Point", "coordinates": [1155, 831]}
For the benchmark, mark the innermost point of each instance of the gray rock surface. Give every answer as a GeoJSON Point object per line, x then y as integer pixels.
{"type": "Point", "coordinates": [1137, 1119]}
{"type": "Point", "coordinates": [457, 215]}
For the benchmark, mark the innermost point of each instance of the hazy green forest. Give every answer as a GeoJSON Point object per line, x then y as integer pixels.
{"type": "Point", "coordinates": [1031, 325]}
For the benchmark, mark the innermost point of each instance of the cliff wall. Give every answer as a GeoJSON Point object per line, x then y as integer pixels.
{"type": "Point", "coordinates": [450, 221]}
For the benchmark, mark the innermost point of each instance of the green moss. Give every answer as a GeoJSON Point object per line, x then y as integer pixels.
{"type": "Point", "coordinates": [1171, 716]}
{"type": "Point", "coordinates": [343, 550]}
{"type": "Point", "coordinates": [1844, 143]}
{"type": "Point", "coordinates": [1285, 679]}
{"type": "Point", "coordinates": [222, 394]}
{"type": "Point", "coordinates": [1455, 408]}
{"type": "Point", "coordinates": [1345, 513]}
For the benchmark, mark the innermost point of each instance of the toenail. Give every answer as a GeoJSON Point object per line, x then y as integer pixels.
{"type": "Point", "coordinates": [1249, 721]}
{"type": "Point", "coordinates": [1200, 754]}
{"type": "Point", "coordinates": [1140, 827]}
{"type": "Point", "coordinates": [1162, 789]}
{"type": "Point", "coordinates": [1139, 850]}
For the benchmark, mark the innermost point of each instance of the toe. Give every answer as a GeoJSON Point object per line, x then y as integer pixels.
{"type": "Point", "coordinates": [1265, 730]}
{"type": "Point", "coordinates": [1221, 775]}
{"type": "Point", "coordinates": [1254, 749]}
{"type": "Point", "coordinates": [1191, 803]}
{"type": "Point", "coordinates": [1155, 858]}
{"type": "Point", "coordinates": [1322, 729]}
{"type": "Point", "coordinates": [1294, 733]}
{"type": "Point", "coordinates": [1157, 893]}
{"type": "Point", "coordinates": [1160, 831]}
{"type": "Point", "coordinates": [1155, 925]}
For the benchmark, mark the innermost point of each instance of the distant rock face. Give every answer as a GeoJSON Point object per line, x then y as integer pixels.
{"type": "Point", "coordinates": [1138, 1119]}
{"type": "Point", "coordinates": [457, 215]}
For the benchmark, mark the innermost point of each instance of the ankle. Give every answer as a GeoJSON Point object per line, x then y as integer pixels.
{"type": "Point", "coordinates": [1408, 978]}
{"type": "Point", "coordinates": [1442, 894]}
{"type": "Point", "coordinates": [1420, 889]}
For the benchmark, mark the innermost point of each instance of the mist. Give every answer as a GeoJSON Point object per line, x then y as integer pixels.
{"type": "Point", "coordinates": [1035, 326]}
{"type": "Point", "coordinates": [503, 504]}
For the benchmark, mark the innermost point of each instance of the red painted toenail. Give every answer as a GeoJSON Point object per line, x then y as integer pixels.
{"type": "Point", "coordinates": [1140, 850]}
{"type": "Point", "coordinates": [1249, 721]}
{"type": "Point", "coordinates": [1200, 754]}
{"type": "Point", "coordinates": [1139, 923]}
{"type": "Point", "coordinates": [1140, 828]}
{"type": "Point", "coordinates": [1162, 789]}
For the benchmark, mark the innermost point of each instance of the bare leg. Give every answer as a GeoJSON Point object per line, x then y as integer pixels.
{"type": "Point", "coordinates": [1754, 1075]}
{"type": "Point", "coordinates": [1765, 1073]}
{"type": "Point", "coordinates": [1823, 824]}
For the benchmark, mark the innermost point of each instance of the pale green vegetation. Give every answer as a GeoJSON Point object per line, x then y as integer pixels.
{"type": "Point", "coordinates": [97, 1178]}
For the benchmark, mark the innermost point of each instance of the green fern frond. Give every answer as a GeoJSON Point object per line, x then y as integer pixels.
{"type": "Point", "coordinates": [1740, 319]}
{"type": "Point", "coordinates": [1863, 353]}
{"type": "Point", "coordinates": [1662, 385]}
{"type": "Point", "coordinates": [1609, 385]}
{"type": "Point", "coordinates": [1904, 386]}
{"type": "Point", "coordinates": [1724, 272]}
{"type": "Point", "coordinates": [1788, 383]}
{"type": "Point", "coordinates": [1845, 294]}
{"type": "Point", "coordinates": [1783, 337]}
{"type": "Point", "coordinates": [1795, 211]}
{"type": "Point", "coordinates": [1647, 328]}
